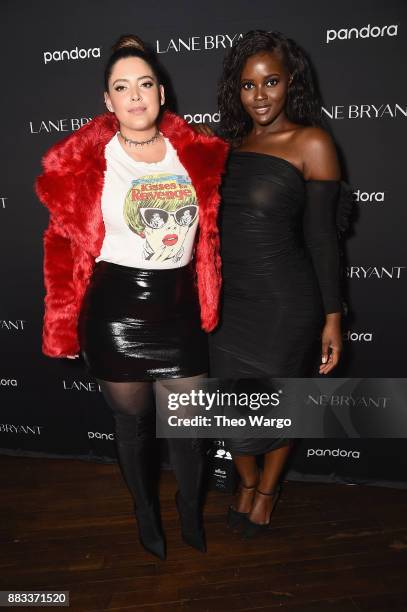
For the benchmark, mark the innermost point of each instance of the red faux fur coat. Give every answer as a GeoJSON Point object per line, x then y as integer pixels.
{"type": "Point", "coordinates": [71, 187]}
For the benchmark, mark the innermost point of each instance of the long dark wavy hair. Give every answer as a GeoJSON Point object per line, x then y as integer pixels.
{"type": "Point", "coordinates": [303, 104]}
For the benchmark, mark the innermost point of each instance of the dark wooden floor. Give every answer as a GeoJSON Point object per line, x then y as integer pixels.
{"type": "Point", "coordinates": [68, 525]}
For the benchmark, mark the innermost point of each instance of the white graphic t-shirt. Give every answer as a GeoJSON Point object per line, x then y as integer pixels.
{"type": "Point", "coordinates": [150, 211]}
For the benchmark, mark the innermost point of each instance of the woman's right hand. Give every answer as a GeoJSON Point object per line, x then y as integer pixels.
{"type": "Point", "coordinates": [202, 128]}
{"type": "Point", "coordinates": [72, 356]}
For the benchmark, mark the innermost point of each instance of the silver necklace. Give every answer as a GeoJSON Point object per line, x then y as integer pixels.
{"type": "Point", "coordinates": [140, 143]}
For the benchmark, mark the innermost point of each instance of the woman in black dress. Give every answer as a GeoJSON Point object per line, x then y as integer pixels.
{"type": "Point", "coordinates": [279, 248]}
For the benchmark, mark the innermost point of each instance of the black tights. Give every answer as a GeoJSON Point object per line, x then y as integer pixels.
{"type": "Point", "coordinates": [133, 407]}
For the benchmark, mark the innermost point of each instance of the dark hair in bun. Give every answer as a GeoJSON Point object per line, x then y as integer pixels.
{"type": "Point", "coordinates": [129, 45]}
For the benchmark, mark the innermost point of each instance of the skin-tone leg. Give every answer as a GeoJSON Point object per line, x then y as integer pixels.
{"type": "Point", "coordinates": [249, 476]}
{"type": "Point", "coordinates": [274, 462]}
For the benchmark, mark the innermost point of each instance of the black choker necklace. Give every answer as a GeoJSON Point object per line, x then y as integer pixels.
{"type": "Point", "coordinates": [140, 143]}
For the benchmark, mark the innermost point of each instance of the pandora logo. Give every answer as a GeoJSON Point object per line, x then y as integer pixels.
{"type": "Point", "coordinates": [335, 452]}
{"type": "Point", "coordinates": [358, 336]}
{"type": "Point", "coordinates": [8, 382]}
{"type": "Point", "coordinates": [365, 196]}
{"type": "Point", "coordinates": [367, 31]}
{"type": "Point", "coordinates": [73, 54]}
{"type": "Point", "coordinates": [202, 118]}
{"type": "Point", "coordinates": [100, 436]}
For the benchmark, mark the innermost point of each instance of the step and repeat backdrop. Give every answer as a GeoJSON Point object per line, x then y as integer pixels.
{"type": "Point", "coordinates": [52, 56]}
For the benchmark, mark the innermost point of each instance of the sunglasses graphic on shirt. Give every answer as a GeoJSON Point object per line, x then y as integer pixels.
{"type": "Point", "coordinates": [158, 217]}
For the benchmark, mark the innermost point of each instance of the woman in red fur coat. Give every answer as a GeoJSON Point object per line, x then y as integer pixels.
{"type": "Point", "coordinates": [127, 283]}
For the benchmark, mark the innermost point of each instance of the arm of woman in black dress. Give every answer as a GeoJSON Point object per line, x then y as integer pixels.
{"type": "Point", "coordinates": [322, 174]}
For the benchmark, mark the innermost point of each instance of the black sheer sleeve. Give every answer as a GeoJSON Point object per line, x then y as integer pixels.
{"type": "Point", "coordinates": [321, 240]}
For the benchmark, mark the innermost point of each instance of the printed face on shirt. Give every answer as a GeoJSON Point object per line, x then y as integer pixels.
{"type": "Point", "coordinates": [161, 209]}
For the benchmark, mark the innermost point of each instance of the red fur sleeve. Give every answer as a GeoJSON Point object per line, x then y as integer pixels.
{"type": "Point", "coordinates": [208, 261]}
{"type": "Point", "coordinates": [208, 267]}
{"type": "Point", "coordinates": [61, 311]}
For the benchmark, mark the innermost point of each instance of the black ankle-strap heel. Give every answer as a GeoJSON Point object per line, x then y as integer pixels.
{"type": "Point", "coordinates": [234, 517]}
{"type": "Point", "coordinates": [253, 529]}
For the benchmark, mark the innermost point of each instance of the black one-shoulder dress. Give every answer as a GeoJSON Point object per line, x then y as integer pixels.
{"type": "Point", "coordinates": [280, 268]}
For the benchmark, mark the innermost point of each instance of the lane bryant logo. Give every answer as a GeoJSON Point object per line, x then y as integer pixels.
{"type": "Point", "coordinates": [21, 429]}
{"type": "Point", "coordinates": [197, 43]}
{"type": "Point", "coordinates": [379, 272]}
{"type": "Point", "coordinates": [73, 54]}
{"type": "Point", "coordinates": [17, 324]}
{"type": "Point", "coordinates": [75, 385]}
{"type": "Point", "coordinates": [59, 125]}
{"type": "Point", "coordinates": [349, 401]}
{"type": "Point", "coordinates": [365, 111]}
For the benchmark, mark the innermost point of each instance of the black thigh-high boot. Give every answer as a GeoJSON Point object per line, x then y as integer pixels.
{"type": "Point", "coordinates": [188, 461]}
{"type": "Point", "coordinates": [133, 409]}
{"type": "Point", "coordinates": [136, 448]}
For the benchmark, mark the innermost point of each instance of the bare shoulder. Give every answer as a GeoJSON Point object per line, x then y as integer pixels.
{"type": "Point", "coordinates": [318, 152]}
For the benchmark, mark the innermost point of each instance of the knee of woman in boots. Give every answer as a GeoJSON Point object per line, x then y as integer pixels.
{"type": "Point", "coordinates": [134, 429]}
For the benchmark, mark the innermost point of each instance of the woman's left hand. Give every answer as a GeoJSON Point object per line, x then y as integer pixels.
{"type": "Point", "coordinates": [331, 343]}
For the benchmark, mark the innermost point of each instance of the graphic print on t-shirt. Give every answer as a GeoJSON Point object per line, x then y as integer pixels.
{"type": "Point", "coordinates": [161, 209]}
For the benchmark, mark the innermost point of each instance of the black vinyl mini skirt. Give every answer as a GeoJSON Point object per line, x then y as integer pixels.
{"type": "Point", "coordinates": [142, 324]}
